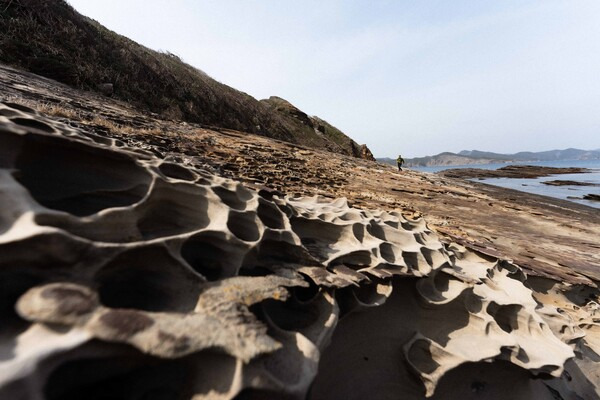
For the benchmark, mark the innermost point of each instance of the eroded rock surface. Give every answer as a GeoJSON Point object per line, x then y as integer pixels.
{"type": "Point", "coordinates": [544, 236]}
{"type": "Point", "coordinates": [125, 275]}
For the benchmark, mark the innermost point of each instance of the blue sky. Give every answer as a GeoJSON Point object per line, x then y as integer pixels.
{"type": "Point", "coordinates": [412, 77]}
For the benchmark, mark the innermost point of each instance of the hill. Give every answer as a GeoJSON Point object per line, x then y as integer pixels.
{"type": "Point", "coordinates": [319, 126]}
{"type": "Point", "coordinates": [50, 38]}
{"type": "Point", "coordinates": [467, 157]}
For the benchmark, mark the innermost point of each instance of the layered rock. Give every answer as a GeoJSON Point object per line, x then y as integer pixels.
{"type": "Point", "coordinates": [125, 275]}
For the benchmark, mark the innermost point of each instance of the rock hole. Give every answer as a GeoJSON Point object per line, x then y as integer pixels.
{"type": "Point", "coordinates": [506, 316]}
{"type": "Point", "coordinates": [173, 209]}
{"type": "Point", "coordinates": [375, 230]}
{"type": "Point", "coordinates": [387, 252]}
{"type": "Point", "coordinates": [231, 198]}
{"type": "Point", "coordinates": [306, 294]}
{"type": "Point", "coordinates": [291, 315]}
{"type": "Point", "coordinates": [137, 376]}
{"type": "Point", "coordinates": [147, 279]}
{"type": "Point", "coordinates": [317, 235]}
{"type": "Point", "coordinates": [243, 225]}
{"type": "Point", "coordinates": [176, 172]}
{"type": "Point", "coordinates": [7, 112]}
{"type": "Point", "coordinates": [269, 252]}
{"type": "Point", "coordinates": [372, 293]}
{"type": "Point", "coordinates": [359, 231]}
{"type": "Point", "coordinates": [419, 354]}
{"type": "Point", "coordinates": [20, 107]}
{"type": "Point", "coordinates": [410, 259]}
{"type": "Point", "coordinates": [355, 260]}
{"type": "Point", "coordinates": [33, 124]}
{"type": "Point", "coordinates": [270, 215]}
{"type": "Point", "coordinates": [212, 255]}
{"type": "Point", "coordinates": [408, 226]}
{"type": "Point", "coordinates": [77, 178]}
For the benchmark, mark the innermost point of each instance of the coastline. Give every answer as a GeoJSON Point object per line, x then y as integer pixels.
{"type": "Point", "coordinates": [485, 216]}
{"type": "Point", "coordinates": [192, 248]}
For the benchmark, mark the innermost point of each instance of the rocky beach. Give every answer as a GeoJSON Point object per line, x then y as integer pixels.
{"type": "Point", "coordinates": [187, 261]}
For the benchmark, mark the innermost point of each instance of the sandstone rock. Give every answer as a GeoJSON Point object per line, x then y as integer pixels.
{"type": "Point", "coordinates": [365, 153]}
{"type": "Point", "coordinates": [119, 266]}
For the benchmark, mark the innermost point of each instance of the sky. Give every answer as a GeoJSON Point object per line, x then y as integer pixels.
{"type": "Point", "coordinates": [405, 77]}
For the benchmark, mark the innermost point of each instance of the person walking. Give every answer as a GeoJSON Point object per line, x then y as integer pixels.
{"type": "Point", "coordinates": [400, 161]}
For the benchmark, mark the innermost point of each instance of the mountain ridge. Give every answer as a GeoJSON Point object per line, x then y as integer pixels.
{"type": "Point", "coordinates": [468, 157]}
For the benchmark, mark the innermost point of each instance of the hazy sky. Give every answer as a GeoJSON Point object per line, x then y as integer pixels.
{"type": "Point", "coordinates": [413, 77]}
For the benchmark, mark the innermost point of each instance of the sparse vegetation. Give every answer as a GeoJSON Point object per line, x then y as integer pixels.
{"type": "Point", "coordinates": [50, 38]}
{"type": "Point", "coordinates": [64, 111]}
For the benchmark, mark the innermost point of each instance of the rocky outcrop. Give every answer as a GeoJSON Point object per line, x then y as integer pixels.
{"type": "Point", "coordinates": [337, 140]}
{"type": "Point", "coordinates": [561, 182]}
{"type": "Point", "coordinates": [365, 153]}
{"type": "Point", "coordinates": [129, 275]}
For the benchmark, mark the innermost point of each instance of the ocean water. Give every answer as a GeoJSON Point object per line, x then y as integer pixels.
{"type": "Point", "coordinates": [570, 193]}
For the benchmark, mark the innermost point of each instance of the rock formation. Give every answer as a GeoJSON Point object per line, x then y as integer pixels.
{"type": "Point", "coordinates": [561, 182]}
{"type": "Point", "coordinates": [592, 196]}
{"type": "Point", "coordinates": [511, 171]}
{"type": "Point", "coordinates": [337, 141]}
{"type": "Point", "coordinates": [127, 275]}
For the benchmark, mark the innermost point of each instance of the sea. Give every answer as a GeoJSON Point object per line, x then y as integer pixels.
{"type": "Point", "coordinates": [570, 193]}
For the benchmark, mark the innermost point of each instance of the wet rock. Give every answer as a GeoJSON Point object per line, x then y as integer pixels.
{"type": "Point", "coordinates": [135, 269]}
{"type": "Point", "coordinates": [510, 171]}
{"type": "Point", "coordinates": [559, 182]}
{"type": "Point", "coordinates": [365, 153]}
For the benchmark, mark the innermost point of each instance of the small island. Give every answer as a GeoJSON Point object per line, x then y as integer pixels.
{"type": "Point", "coordinates": [559, 182]}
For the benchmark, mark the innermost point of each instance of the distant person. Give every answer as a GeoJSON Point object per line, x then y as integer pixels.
{"type": "Point", "coordinates": [400, 161]}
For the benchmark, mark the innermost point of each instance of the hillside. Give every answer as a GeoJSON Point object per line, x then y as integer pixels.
{"type": "Point", "coordinates": [550, 155]}
{"type": "Point", "coordinates": [320, 127]}
{"type": "Point", "coordinates": [467, 157]}
{"type": "Point", "coordinates": [51, 39]}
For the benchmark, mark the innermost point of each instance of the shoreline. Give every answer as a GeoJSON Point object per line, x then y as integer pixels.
{"type": "Point", "coordinates": [309, 272]}
{"type": "Point", "coordinates": [511, 171]}
{"type": "Point", "coordinates": [454, 208]}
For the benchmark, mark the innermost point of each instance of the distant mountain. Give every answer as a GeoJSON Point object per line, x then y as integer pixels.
{"type": "Point", "coordinates": [50, 38]}
{"type": "Point", "coordinates": [467, 157]}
